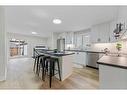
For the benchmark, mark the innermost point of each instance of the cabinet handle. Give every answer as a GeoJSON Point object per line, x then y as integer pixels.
{"type": "Point", "coordinates": [98, 39]}
{"type": "Point", "coordinates": [109, 39]}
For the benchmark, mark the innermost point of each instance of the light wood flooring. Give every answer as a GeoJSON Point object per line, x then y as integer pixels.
{"type": "Point", "coordinates": [20, 75]}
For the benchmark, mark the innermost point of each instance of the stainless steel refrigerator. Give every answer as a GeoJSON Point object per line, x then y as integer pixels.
{"type": "Point", "coordinates": [61, 44]}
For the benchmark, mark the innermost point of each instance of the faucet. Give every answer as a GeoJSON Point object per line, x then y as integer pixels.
{"type": "Point", "coordinates": [106, 50]}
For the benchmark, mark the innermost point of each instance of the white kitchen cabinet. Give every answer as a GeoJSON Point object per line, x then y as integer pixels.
{"type": "Point", "coordinates": [104, 31]}
{"type": "Point", "coordinates": [86, 41]}
{"type": "Point", "coordinates": [94, 34]}
{"type": "Point", "coordinates": [79, 41]}
{"type": "Point", "coordinates": [112, 77]}
{"type": "Point", "coordinates": [75, 39]}
{"type": "Point", "coordinates": [69, 37]}
{"type": "Point", "coordinates": [62, 35]}
{"type": "Point", "coordinates": [112, 28]}
{"type": "Point", "coordinates": [82, 39]}
{"type": "Point", "coordinates": [80, 58]}
{"type": "Point", "coordinates": [100, 33]}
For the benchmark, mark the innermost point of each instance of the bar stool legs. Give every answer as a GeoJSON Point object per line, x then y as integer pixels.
{"type": "Point", "coordinates": [35, 61]}
{"type": "Point", "coordinates": [59, 69]}
{"type": "Point", "coordinates": [50, 75]}
{"type": "Point", "coordinates": [43, 69]}
{"type": "Point", "coordinates": [53, 61]}
{"type": "Point", "coordinates": [37, 68]}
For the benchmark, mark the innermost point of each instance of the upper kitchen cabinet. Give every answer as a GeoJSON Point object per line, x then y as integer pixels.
{"type": "Point", "coordinates": [100, 33]}
{"type": "Point", "coordinates": [82, 39]}
{"type": "Point", "coordinates": [105, 32]}
{"type": "Point", "coordinates": [95, 34]}
{"type": "Point", "coordinates": [112, 28]}
{"type": "Point", "coordinates": [62, 35]}
{"type": "Point", "coordinates": [86, 40]}
{"type": "Point", "coordinates": [79, 41]}
{"type": "Point", "coordinates": [69, 37]}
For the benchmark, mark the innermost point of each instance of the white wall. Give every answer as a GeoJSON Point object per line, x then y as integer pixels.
{"type": "Point", "coordinates": [3, 53]}
{"type": "Point", "coordinates": [31, 40]}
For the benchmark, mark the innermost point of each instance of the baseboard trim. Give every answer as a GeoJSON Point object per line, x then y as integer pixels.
{"type": "Point", "coordinates": [92, 67]}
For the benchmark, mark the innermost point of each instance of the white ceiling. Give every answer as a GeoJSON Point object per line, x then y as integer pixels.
{"type": "Point", "coordinates": [25, 19]}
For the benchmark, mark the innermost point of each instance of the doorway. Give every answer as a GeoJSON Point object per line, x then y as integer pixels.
{"type": "Point", "coordinates": [18, 48]}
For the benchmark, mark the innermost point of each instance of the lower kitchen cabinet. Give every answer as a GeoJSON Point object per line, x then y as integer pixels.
{"type": "Point", "coordinates": [79, 58]}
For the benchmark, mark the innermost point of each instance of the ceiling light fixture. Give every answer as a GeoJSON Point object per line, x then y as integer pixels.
{"type": "Point", "coordinates": [57, 21]}
{"type": "Point", "coordinates": [13, 39]}
{"type": "Point", "coordinates": [34, 33]}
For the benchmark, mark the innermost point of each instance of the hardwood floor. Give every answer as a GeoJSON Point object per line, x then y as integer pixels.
{"type": "Point", "coordinates": [21, 76]}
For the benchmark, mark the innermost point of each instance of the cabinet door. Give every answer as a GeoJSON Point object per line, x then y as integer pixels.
{"type": "Point", "coordinates": [83, 58]}
{"type": "Point", "coordinates": [76, 58]}
{"type": "Point", "coordinates": [112, 28]}
{"type": "Point", "coordinates": [104, 32]}
{"type": "Point", "coordinates": [86, 41]}
{"type": "Point", "coordinates": [80, 58]}
{"type": "Point", "coordinates": [79, 41]}
{"type": "Point", "coordinates": [100, 33]}
{"type": "Point", "coordinates": [95, 34]}
{"type": "Point", "coordinates": [69, 38]}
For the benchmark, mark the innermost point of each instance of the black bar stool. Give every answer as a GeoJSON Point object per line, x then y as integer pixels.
{"type": "Point", "coordinates": [43, 66]}
{"type": "Point", "coordinates": [38, 60]}
{"type": "Point", "coordinates": [35, 62]}
{"type": "Point", "coordinates": [50, 67]}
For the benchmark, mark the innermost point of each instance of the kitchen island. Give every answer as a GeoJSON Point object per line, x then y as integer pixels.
{"type": "Point", "coordinates": [65, 60]}
{"type": "Point", "coordinates": [113, 72]}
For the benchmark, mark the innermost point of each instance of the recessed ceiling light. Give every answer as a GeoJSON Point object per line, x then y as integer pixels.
{"type": "Point", "coordinates": [34, 32]}
{"type": "Point", "coordinates": [57, 21]}
{"type": "Point", "coordinates": [17, 43]}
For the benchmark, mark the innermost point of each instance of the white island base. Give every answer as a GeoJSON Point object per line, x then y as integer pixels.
{"type": "Point", "coordinates": [112, 77]}
{"type": "Point", "coordinates": [66, 66]}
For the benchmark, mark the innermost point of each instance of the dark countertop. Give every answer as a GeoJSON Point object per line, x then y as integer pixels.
{"type": "Point", "coordinates": [51, 53]}
{"type": "Point", "coordinates": [88, 51]}
{"type": "Point", "coordinates": [114, 61]}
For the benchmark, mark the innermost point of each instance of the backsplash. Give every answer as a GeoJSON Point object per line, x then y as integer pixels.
{"type": "Point", "coordinates": [110, 46]}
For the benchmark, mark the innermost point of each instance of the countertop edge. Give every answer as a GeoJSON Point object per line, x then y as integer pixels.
{"type": "Point", "coordinates": [86, 51]}
{"type": "Point", "coordinates": [58, 55]}
{"type": "Point", "coordinates": [113, 65]}
{"type": "Point", "coordinates": [105, 60]}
